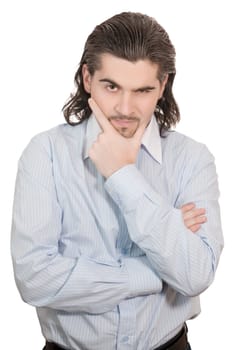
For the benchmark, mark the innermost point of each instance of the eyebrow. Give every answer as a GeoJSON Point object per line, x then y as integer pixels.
{"type": "Point", "coordinates": [112, 82]}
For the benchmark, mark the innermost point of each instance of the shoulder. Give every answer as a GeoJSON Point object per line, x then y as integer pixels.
{"type": "Point", "coordinates": [50, 139]}
{"type": "Point", "coordinates": [185, 157]}
{"type": "Point", "coordinates": [179, 144]}
{"type": "Point", "coordinates": [56, 133]}
{"type": "Point", "coordinates": [47, 146]}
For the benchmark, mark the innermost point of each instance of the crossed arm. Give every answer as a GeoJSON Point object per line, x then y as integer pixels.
{"type": "Point", "coordinates": [184, 261]}
{"type": "Point", "coordinates": [47, 278]}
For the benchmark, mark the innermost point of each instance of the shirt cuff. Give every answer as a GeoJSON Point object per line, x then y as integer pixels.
{"type": "Point", "coordinates": [141, 277]}
{"type": "Point", "coordinates": [126, 186]}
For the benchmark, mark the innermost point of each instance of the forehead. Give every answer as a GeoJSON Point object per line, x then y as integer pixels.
{"type": "Point", "coordinates": [127, 73]}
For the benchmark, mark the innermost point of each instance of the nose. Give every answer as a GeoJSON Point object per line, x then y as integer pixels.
{"type": "Point", "coordinates": [125, 105]}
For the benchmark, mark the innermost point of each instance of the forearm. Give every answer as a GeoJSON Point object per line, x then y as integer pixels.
{"type": "Point", "coordinates": [82, 284]}
{"type": "Point", "coordinates": [185, 261]}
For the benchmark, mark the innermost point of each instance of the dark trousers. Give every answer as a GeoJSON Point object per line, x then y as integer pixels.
{"type": "Point", "coordinates": [51, 346]}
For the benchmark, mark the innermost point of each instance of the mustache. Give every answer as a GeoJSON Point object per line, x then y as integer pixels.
{"type": "Point", "coordinates": [124, 117]}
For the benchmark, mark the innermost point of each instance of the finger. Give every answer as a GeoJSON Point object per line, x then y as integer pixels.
{"type": "Point", "coordinates": [194, 221]}
{"type": "Point", "coordinates": [187, 207]}
{"type": "Point", "coordinates": [194, 213]}
{"type": "Point", "coordinates": [195, 228]}
{"type": "Point", "coordinates": [99, 115]}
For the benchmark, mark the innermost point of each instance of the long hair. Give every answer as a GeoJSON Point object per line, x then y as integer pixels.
{"type": "Point", "coordinates": [131, 36]}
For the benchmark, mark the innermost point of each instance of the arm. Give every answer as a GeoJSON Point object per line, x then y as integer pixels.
{"type": "Point", "coordinates": [43, 275]}
{"type": "Point", "coordinates": [185, 261]}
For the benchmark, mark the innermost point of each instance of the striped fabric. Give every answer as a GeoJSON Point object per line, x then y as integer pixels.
{"type": "Point", "coordinates": [109, 263]}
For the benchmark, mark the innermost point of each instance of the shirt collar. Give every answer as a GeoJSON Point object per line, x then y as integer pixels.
{"type": "Point", "coordinates": [151, 139]}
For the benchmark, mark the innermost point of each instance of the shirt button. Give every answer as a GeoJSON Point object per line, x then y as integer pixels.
{"type": "Point", "coordinates": [124, 339]}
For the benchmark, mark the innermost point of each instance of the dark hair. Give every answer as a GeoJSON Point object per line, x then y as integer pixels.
{"type": "Point", "coordinates": [131, 36]}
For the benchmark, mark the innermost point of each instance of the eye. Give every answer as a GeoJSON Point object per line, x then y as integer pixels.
{"type": "Point", "coordinates": [111, 87]}
{"type": "Point", "coordinates": [145, 90]}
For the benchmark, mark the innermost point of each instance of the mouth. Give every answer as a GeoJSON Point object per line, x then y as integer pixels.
{"type": "Point", "coordinates": [124, 122]}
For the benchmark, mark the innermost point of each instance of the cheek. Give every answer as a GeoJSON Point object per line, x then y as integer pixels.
{"type": "Point", "coordinates": [103, 101]}
{"type": "Point", "coordinates": [147, 108]}
{"type": "Point", "coordinates": [149, 104]}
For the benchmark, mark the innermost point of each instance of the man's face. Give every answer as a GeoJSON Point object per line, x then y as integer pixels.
{"type": "Point", "coordinates": [126, 92]}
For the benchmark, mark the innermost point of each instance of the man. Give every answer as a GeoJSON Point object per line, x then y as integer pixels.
{"type": "Point", "coordinates": [116, 226]}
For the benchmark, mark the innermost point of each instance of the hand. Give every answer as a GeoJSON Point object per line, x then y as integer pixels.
{"type": "Point", "coordinates": [112, 151]}
{"type": "Point", "coordinates": [193, 217]}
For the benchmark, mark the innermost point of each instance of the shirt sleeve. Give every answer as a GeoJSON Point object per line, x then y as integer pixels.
{"type": "Point", "coordinates": [184, 260]}
{"type": "Point", "coordinates": [43, 275]}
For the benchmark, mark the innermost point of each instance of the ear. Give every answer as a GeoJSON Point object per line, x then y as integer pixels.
{"type": "Point", "coordinates": [163, 84]}
{"type": "Point", "coordinates": [86, 78]}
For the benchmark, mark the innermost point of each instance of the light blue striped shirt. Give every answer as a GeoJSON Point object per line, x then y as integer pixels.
{"type": "Point", "coordinates": [109, 264]}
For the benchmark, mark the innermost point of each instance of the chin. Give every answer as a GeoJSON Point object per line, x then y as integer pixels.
{"type": "Point", "coordinates": [126, 132]}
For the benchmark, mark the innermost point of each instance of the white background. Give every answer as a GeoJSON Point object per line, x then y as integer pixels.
{"type": "Point", "coordinates": [41, 45]}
